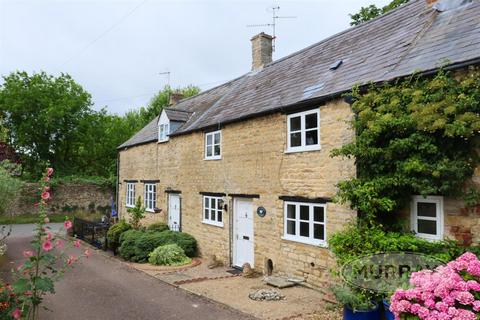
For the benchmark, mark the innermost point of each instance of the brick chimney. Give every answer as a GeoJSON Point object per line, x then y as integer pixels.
{"type": "Point", "coordinates": [261, 50]}
{"type": "Point", "coordinates": [431, 2]}
{"type": "Point", "coordinates": [175, 97]}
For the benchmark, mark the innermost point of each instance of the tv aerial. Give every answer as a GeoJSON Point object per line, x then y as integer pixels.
{"type": "Point", "coordinates": [273, 24]}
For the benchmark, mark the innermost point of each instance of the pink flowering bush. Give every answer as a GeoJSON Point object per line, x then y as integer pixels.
{"type": "Point", "coordinates": [450, 292]}
{"type": "Point", "coordinates": [49, 257]}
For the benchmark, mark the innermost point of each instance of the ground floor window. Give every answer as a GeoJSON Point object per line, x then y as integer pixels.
{"type": "Point", "coordinates": [130, 202]}
{"type": "Point", "coordinates": [212, 210]}
{"type": "Point", "coordinates": [305, 222]}
{"type": "Point", "coordinates": [150, 197]}
{"type": "Point", "coordinates": [427, 217]}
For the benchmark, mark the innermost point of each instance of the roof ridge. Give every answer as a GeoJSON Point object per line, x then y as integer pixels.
{"type": "Point", "coordinates": [177, 109]}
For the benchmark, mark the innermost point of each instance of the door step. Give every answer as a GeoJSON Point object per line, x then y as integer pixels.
{"type": "Point", "coordinates": [280, 282]}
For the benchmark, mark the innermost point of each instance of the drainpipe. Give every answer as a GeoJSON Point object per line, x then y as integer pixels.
{"type": "Point", "coordinates": [117, 185]}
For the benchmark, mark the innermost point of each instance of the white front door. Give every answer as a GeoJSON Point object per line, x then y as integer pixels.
{"type": "Point", "coordinates": [174, 212]}
{"type": "Point", "coordinates": [243, 248]}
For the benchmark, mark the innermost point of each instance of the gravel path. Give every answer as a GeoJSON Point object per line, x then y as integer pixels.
{"type": "Point", "coordinates": [103, 288]}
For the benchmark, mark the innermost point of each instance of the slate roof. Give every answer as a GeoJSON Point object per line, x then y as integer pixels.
{"type": "Point", "coordinates": [413, 37]}
{"type": "Point", "coordinates": [175, 114]}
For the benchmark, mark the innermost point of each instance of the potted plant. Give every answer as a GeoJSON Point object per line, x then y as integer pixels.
{"type": "Point", "coordinates": [357, 304]}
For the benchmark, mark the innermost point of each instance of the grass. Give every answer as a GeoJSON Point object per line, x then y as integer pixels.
{"type": "Point", "coordinates": [33, 218]}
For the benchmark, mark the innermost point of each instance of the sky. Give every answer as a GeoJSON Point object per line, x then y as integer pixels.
{"type": "Point", "coordinates": [119, 51]}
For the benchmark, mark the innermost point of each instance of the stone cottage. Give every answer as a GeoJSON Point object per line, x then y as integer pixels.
{"type": "Point", "coordinates": [245, 167]}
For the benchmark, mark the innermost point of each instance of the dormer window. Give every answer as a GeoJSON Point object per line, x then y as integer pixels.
{"type": "Point", "coordinates": [163, 128]}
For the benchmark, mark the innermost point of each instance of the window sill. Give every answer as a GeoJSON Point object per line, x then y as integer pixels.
{"type": "Point", "coordinates": [297, 150]}
{"type": "Point", "coordinates": [150, 210]}
{"type": "Point", "coordinates": [316, 243]}
{"type": "Point", "coordinates": [129, 206]}
{"type": "Point", "coordinates": [213, 158]}
{"type": "Point", "coordinates": [212, 223]}
{"type": "Point", "coordinates": [429, 237]}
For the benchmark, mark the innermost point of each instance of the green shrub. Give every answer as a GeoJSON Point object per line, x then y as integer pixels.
{"type": "Point", "coordinates": [158, 227]}
{"type": "Point", "coordinates": [127, 243]}
{"type": "Point", "coordinates": [137, 213]}
{"type": "Point", "coordinates": [137, 245]}
{"type": "Point", "coordinates": [359, 240]}
{"type": "Point", "coordinates": [114, 233]}
{"type": "Point", "coordinates": [9, 186]}
{"type": "Point", "coordinates": [168, 255]}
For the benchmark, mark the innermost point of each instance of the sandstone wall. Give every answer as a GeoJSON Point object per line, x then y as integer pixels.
{"type": "Point", "coordinates": [66, 199]}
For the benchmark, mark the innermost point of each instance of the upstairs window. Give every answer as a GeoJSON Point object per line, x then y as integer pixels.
{"type": "Point", "coordinates": [213, 211]}
{"type": "Point", "coordinates": [150, 197]}
{"type": "Point", "coordinates": [163, 132]}
{"type": "Point", "coordinates": [427, 217]}
{"type": "Point", "coordinates": [213, 145]}
{"type": "Point", "coordinates": [130, 196]}
{"type": "Point", "coordinates": [305, 222]}
{"type": "Point", "coordinates": [303, 131]}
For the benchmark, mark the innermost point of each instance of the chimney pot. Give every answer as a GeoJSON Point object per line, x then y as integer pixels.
{"type": "Point", "coordinates": [261, 50]}
{"type": "Point", "coordinates": [175, 97]}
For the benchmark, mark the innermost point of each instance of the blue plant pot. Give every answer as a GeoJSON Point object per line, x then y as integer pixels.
{"type": "Point", "coordinates": [386, 311]}
{"type": "Point", "coordinates": [349, 314]}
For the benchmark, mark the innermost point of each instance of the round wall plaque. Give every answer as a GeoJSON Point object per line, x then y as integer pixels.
{"type": "Point", "coordinates": [261, 212]}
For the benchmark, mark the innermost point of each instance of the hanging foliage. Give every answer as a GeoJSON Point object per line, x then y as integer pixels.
{"type": "Point", "coordinates": [416, 136]}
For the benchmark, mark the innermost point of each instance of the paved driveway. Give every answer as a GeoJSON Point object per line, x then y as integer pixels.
{"type": "Point", "coordinates": [103, 288]}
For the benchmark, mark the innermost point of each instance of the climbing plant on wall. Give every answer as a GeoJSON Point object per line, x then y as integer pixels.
{"type": "Point", "coordinates": [416, 136]}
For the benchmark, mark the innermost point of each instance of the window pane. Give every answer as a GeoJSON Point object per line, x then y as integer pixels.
{"type": "Point", "coordinates": [311, 137]}
{"type": "Point", "coordinates": [206, 214]}
{"type": "Point", "coordinates": [304, 213]}
{"type": "Point", "coordinates": [295, 124]}
{"type": "Point", "coordinates": [217, 138]}
{"type": "Point", "coordinates": [209, 151]}
{"type": "Point", "coordinates": [427, 226]}
{"type": "Point", "coordinates": [311, 121]}
{"type": "Point", "coordinates": [304, 229]}
{"type": "Point", "coordinates": [219, 204]}
{"type": "Point", "coordinates": [209, 139]}
{"type": "Point", "coordinates": [212, 203]}
{"type": "Point", "coordinates": [217, 150]}
{"type": "Point", "coordinates": [295, 139]}
{"type": "Point", "coordinates": [206, 203]}
{"type": "Point", "coordinates": [219, 216]}
{"type": "Point", "coordinates": [318, 214]}
{"type": "Point", "coordinates": [212, 213]}
{"type": "Point", "coordinates": [290, 211]}
{"type": "Point", "coordinates": [426, 209]}
{"type": "Point", "coordinates": [291, 227]}
{"type": "Point", "coordinates": [319, 231]}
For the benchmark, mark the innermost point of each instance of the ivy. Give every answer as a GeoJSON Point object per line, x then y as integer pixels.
{"type": "Point", "coordinates": [415, 136]}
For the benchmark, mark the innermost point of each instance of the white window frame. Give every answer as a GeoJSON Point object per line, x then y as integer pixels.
{"type": "Point", "coordinates": [297, 238]}
{"type": "Point", "coordinates": [130, 195]}
{"type": "Point", "coordinates": [207, 206]}
{"type": "Point", "coordinates": [163, 132]}
{"type": "Point", "coordinates": [438, 200]}
{"type": "Point", "coordinates": [150, 196]}
{"type": "Point", "coordinates": [303, 145]}
{"type": "Point", "coordinates": [212, 145]}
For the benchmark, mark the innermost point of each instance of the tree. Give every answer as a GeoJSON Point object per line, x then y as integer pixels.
{"type": "Point", "coordinates": [372, 11]}
{"type": "Point", "coordinates": [42, 115]}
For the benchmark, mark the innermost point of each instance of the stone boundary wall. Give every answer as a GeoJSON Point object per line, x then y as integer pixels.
{"type": "Point", "coordinates": [66, 199]}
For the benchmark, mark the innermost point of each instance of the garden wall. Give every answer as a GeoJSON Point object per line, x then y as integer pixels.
{"type": "Point", "coordinates": [66, 199]}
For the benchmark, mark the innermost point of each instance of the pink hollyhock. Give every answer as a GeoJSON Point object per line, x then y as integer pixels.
{"type": "Point", "coordinates": [17, 313]}
{"type": "Point", "coordinates": [47, 245]}
{"type": "Point", "coordinates": [67, 224]}
{"type": "Point", "coordinates": [49, 236]}
{"type": "Point", "coordinates": [27, 253]}
{"type": "Point", "coordinates": [87, 253]}
{"type": "Point", "coordinates": [49, 172]}
{"type": "Point", "coordinates": [71, 259]}
{"type": "Point", "coordinates": [46, 188]}
{"type": "Point", "coordinates": [46, 220]}
{"type": "Point", "coordinates": [47, 178]}
{"type": "Point", "coordinates": [45, 195]}
{"type": "Point", "coordinates": [59, 244]}
{"type": "Point", "coordinates": [76, 244]}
